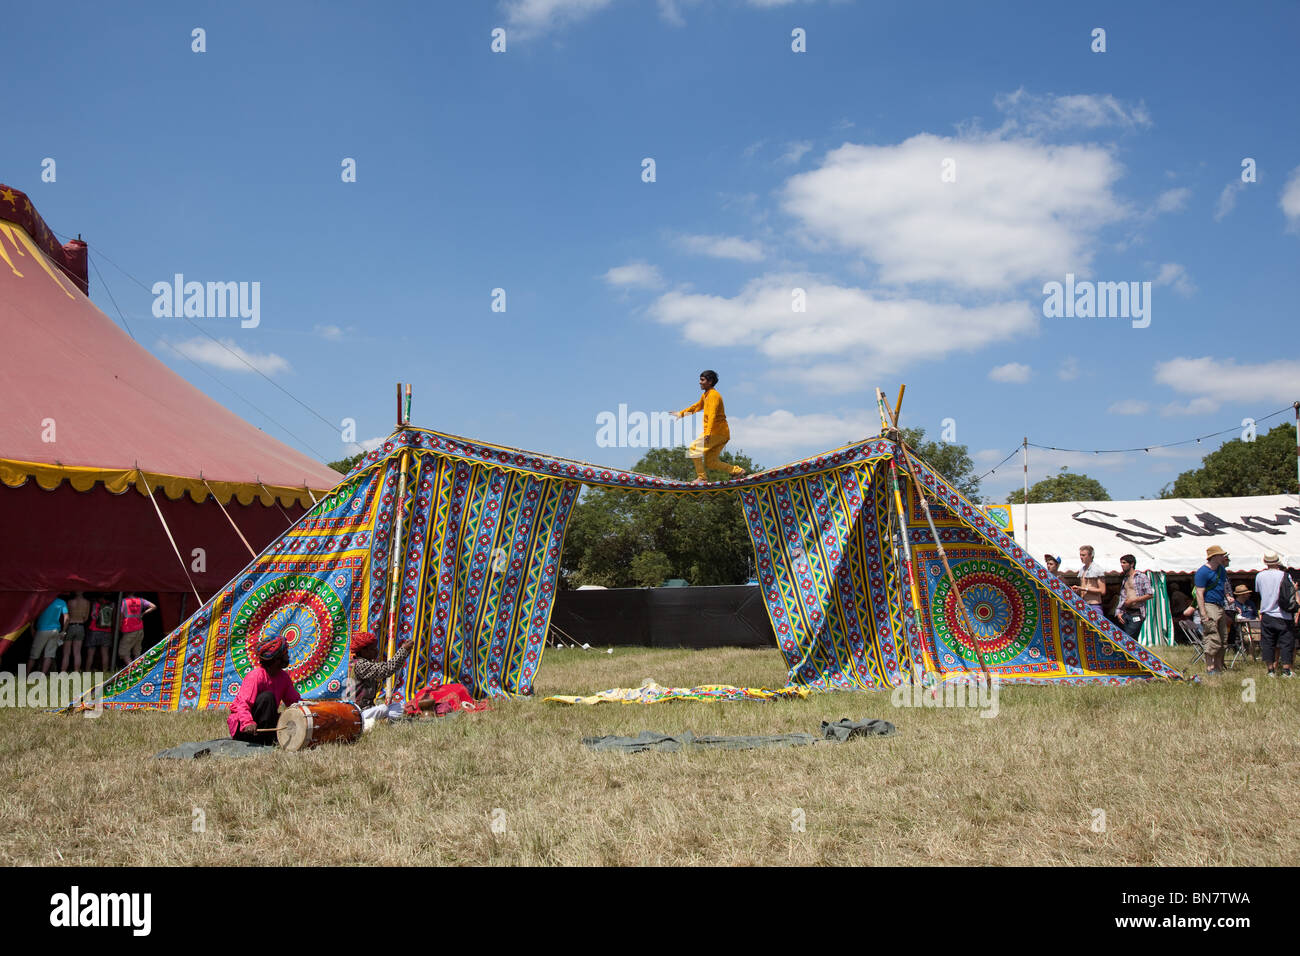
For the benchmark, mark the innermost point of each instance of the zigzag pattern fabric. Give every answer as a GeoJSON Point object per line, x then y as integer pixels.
{"type": "Point", "coordinates": [840, 600]}
{"type": "Point", "coordinates": [481, 528]}
{"type": "Point", "coordinates": [314, 585]}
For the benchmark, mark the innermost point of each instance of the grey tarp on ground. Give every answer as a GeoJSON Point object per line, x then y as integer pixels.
{"type": "Point", "coordinates": [838, 732]}
{"type": "Point", "coordinates": [224, 747]}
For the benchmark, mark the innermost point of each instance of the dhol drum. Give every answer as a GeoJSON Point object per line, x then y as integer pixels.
{"type": "Point", "coordinates": [310, 723]}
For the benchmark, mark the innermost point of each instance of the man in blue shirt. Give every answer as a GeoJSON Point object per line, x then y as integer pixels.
{"type": "Point", "coordinates": [50, 625]}
{"type": "Point", "coordinates": [1211, 583]}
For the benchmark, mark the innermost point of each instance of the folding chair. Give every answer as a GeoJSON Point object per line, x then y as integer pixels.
{"type": "Point", "coordinates": [1250, 634]}
{"type": "Point", "coordinates": [1192, 634]}
{"type": "Point", "coordinates": [1236, 644]}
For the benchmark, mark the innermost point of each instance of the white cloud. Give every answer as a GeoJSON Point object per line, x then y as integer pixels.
{"type": "Point", "coordinates": [723, 247]}
{"type": "Point", "coordinates": [852, 332]}
{"type": "Point", "coordinates": [789, 436]}
{"type": "Point", "coordinates": [227, 355]}
{"type": "Point", "coordinates": [670, 13]}
{"type": "Point", "coordinates": [1015, 373]}
{"type": "Point", "coordinates": [1290, 201]}
{"type": "Point", "coordinates": [1173, 274]}
{"type": "Point", "coordinates": [528, 18]}
{"type": "Point", "coordinates": [637, 275]}
{"type": "Point", "coordinates": [1019, 210]}
{"type": "Point", "coordinates": [1069, 369]}
{"type": "Point", "coordinates": [368, 444]}
{"type": "Point", "coordinates": [1172, 200]}
{"type": "Point", "coordinates": [795, 151]}
{"type": "Point", "coordinates": [1227, 200]}
{"type": "Point", "coordinates": [1042, 112]}
{"type": "Point", "coordinates": [1215, 380]}
{"type": "Point", "coordinates": [331, 333]}
{"type": "Point", "coordinates": [1197, 406]}
{"type": "Point", "coordinates": [1129, 406]}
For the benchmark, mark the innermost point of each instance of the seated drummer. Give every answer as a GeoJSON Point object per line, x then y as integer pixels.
{"type": "Point", "coordinates": [254, 712]}
{"type": "Point", "coordinates": [365, 673]}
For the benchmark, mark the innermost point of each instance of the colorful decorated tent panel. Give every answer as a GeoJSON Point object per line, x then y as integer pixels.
{"type": "Point", "coordinates": [477, 530]}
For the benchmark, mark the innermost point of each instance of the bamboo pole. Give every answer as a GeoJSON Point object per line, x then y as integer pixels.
{"type": "Point", "coordinates": [886, 426]}
{"type": "Point", "coordinates": [395, 560]}
{"type": "Point", "coordinates": [943, 556]}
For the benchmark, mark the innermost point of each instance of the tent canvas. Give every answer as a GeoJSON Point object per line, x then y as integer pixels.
{"type": "Point", "coordinates": [465, 538]}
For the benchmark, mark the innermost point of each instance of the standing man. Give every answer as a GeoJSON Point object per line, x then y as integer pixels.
{"type": "Point", "coordinates": [99, 642]}
{"type": "Point", "coordinates": [1277, 616]}
{"type": "Point", "coordinates": [48, 634]}
{"type": "Point", "coordinates": [704, 451]}
{"type": "Point", "coordinates": [1092, 580]}
{"type": "Point", "coordinates": [78, 615]}
{"type": "Point", "coordinates": [1134, 592]}
{"type": "Point", "coordinates": [131, 642]}
{"type": "Point", "coordinates": [1211, 583]}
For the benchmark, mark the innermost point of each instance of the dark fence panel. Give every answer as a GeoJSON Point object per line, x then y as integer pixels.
{"type": "Point", "coordinates": [694, 618]}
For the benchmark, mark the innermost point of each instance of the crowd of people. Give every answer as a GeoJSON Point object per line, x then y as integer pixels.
{"type": "Point", "coordinates": [1213, 608]}
{"type": "Point", "coordinates": [81, 627]}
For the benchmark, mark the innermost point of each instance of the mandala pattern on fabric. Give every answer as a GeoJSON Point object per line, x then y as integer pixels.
{"type": "Point", "coordinates": [1001, 605]}
{"type": "Point", "coordinates": [308, 614]}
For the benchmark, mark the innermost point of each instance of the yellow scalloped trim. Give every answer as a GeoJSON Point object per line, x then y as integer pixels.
{"type": "Point", "coordinates": [15, 474]}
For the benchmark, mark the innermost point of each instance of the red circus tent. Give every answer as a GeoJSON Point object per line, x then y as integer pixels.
{"type": "Point", "coordinates": [92, 425]}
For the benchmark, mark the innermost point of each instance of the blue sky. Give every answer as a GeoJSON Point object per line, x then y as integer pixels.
{"type": "Point", "coordinates": [774, 171]}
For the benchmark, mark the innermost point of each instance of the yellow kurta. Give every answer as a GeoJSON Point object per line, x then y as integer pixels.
{"type": "Point", "coordinates": [715, 416]}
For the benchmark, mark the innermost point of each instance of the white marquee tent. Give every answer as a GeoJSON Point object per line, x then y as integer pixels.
{"type": "Point", "coordinates": [1168, 535]}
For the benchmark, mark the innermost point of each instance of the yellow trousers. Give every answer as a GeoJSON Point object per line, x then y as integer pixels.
{"type": "Point", "coordinates": [704, 452]}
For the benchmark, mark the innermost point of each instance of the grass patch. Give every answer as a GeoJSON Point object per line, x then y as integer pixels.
{"type": "Point", "coordinates": [1186, 775]}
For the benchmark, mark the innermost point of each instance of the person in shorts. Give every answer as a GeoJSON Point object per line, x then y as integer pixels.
{"type": "Point", "coordinates": [99, 636]}
{"type": "Point", "coordinates": [131, 644]}
{"type": "Point", "coordinates": [48, 635]}
{"type": "Point", "coordinates": [78, 617]}
{"type": "Point", "coordinates": [1211, 583]}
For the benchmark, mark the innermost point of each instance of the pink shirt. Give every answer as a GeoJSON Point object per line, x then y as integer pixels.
{"type": "Point", "coordinates": [257, 681]}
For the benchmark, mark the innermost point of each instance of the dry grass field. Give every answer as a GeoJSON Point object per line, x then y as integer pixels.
{"type": "Point", "coordinates": [1186, 775]}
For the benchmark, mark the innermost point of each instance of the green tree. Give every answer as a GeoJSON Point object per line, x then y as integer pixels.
{"type": "Point", "coordinates": [949, 459]}
{"type": "Point", "coordinates": [344, 465]}
{"type": "Point", "coordinates": [1063, 487]}
{"type": "Point", "coordinates": [634, 539]}
{"type": "Point", "coordinates": [1265, 466]}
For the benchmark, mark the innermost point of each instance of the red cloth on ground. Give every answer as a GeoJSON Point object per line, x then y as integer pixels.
{"type": "Point", "coordinates": [446, 698]}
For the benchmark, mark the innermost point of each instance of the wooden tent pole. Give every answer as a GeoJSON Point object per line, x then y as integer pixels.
{"type": "Point", "coordinates": [886, 426]}
{"type": "Point", "coordinates": [228, 518]}
{"type": "Point", "coordinates": [395, 561]}
{"type": "Point", "coordinates": [168, 531]}
{"type": "Point", "coordinates": [943, 556]}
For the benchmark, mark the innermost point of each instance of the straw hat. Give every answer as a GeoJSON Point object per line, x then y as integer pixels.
{"type": "Point", "coordinates": [1272, 558]}
{"type": "Point", "coordinates": [1212, 550]}
{"type": "Point", "coordinates": [1241, 589]}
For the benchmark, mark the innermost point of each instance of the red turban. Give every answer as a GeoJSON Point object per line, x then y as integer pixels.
{"type": "Point", "coordinates": [269, 648]}
{"type": "Point", "coordinates": [361, 640]}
